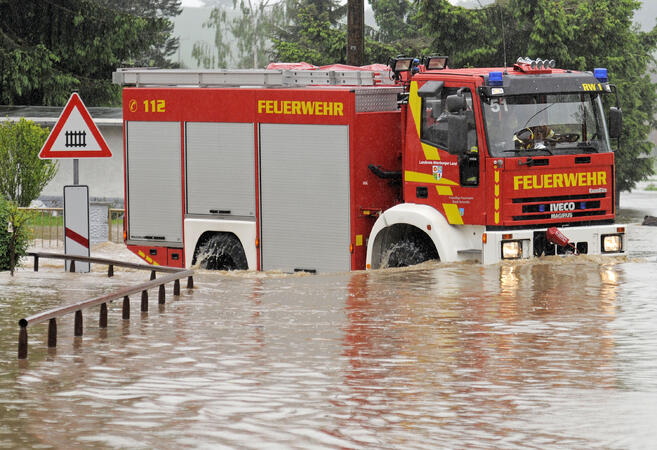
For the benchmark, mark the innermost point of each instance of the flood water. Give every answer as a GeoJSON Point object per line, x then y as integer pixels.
{"type": "Point", "coordinates": [557, 353]}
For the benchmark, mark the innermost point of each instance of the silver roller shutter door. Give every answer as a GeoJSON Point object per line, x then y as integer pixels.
{"type": "Point", "coordinates": [154, 182]}
{"type": "Point", "coordinates": [220, 160]}
{"type": "Point", "coordinates": [304, 172]}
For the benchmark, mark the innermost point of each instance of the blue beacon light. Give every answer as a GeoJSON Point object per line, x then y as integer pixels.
{"type": "Point", "coordinates": [495, 79]}
{"type": "Point", "coordinates": [601, 74]}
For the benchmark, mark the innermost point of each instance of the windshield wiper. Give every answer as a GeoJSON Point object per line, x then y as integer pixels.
{"type": "Point", "coordinates": [529, 150]}
{"type": "Point", "coordinates": [589, 148]}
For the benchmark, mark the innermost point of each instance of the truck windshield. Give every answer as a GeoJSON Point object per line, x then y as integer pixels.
{"type": "Point", "coordinates": [545, 124]}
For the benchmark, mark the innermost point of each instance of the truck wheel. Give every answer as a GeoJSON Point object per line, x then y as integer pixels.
{"type": "Point", "coordinates": [408, 251]}
{"type": "Point", "coordinates": [220, 251]}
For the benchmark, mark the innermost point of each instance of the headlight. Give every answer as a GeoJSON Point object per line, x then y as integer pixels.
{"type": "Point", "coordinates": [612, 243]}
{"type": "Point", "coordinates": [511, 250]}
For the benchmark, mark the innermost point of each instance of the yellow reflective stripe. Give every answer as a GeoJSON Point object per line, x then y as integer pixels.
{"type": "Point", "coordinates": [147, 258]}
{"type": "Point", "coordinates": [453, 214]}
{"type": "Point", "coordinates": [415, 105]}
{"type": "Point", "coordinates": [359, 240]}
{"type": "Point", "coordinates": [444, 190]}
{"type": "Point", "coordinates": [430, 152]}
{"type": "Point", "coordinates": [426, 178]}
{"type": "Point", "coordinates": [497, 196]}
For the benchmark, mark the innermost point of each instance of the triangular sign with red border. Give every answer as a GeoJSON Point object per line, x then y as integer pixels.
{"type": "Point", "coordinates": [75, 135]}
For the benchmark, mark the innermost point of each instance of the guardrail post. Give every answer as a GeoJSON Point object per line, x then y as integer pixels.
{"type": "Point", "coordinates": [78, 323]}
{"type": "Point", "coordinates": [22, 342]}
{"type": "Point", "coordinates": [144, 301]}
{"type": "Point", "coordinates": [110, 270]}
{"type": "Point", "coordinates": [52, 332]}
{"type": "Point", "coordinates": [102, 301]}
{"type": "Point", "coordinates": [102, 322]}
{"type": "Point", "coordinates": [36, 263]}
{"type": "Point", "coordinates": [126, 308]}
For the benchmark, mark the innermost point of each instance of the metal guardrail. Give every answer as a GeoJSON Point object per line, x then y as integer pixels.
{"type": "Point", "coordinates": [51, 315]}
{"type": "Point", "coordinates": [47, 225]}
{"type": "Point", "coordinates": [109, 262]}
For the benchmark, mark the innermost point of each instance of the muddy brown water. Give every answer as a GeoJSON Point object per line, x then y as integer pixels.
{"type": "Point", "coordinates": [556, 353]}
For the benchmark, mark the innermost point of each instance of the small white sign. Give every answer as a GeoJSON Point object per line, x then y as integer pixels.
{"type": "Point", "coordinates": [76, 225]}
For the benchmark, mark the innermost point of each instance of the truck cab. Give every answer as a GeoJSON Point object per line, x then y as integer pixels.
{"type": "Point", "coordinates": [495, 158]}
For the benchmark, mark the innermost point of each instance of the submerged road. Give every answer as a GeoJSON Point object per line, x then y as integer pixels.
{"type": "Point", "coordinates": [556, 353]}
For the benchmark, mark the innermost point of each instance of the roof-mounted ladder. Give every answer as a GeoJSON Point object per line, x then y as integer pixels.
{"type": "Point", "coordinates": [266, 78]}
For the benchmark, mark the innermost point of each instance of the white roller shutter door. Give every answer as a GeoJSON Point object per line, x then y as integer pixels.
{"type": "Point", "coordinates": [154, 182]}
{"type": "Point", "coordinates": [220, 159]}
{"type": "Point", "coordinates": [304, 172]}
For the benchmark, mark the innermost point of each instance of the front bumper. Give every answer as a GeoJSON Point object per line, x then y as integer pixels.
{"type": "Point", "coordinates": [526, 244]}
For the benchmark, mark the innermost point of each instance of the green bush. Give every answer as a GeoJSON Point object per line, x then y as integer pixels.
{"type": "Point", "coordinates": [14, 235]}
{"type": "Point", "coordinates": [22, 174]}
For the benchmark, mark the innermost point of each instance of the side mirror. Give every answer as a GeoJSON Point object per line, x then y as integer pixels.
{"type": "Point", "coordinates": [457, 135]}
{"type": "Point", "coordinates": [615, 122]}
{"type": "Point", "coordinates": [456, 103]}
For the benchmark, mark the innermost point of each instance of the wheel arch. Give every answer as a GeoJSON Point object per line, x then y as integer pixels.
{"type": "Point", "coordinates": [197, 228]}
{"type": "Point", "coordinates": [447, 239]}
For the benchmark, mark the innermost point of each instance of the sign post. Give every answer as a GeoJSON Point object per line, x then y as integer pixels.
{"type": "Point", "coordinates": [74, 136]}
{"type": "Point", "coordinates": [76, 225]}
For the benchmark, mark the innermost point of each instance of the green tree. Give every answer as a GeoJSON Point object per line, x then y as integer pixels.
{"type": "Point", "coordinates": [579, 35]}
{"type": "Point", "coordinates": [14, 235]}
{"type": "Point", "coordinates": [320, 38]}
{"type": "Point", "coordinates": [317, 41]}
{"type": "Point", "coordinates": [160, 46]}
{"type": "Point", "coordinates": [22, 174]}
{"type": "Point", "coordinates": [249, 23]}
{"type": "Point", "coordinates": [48, 49]}
{"type": "Point", "coordinates": [393, 18]}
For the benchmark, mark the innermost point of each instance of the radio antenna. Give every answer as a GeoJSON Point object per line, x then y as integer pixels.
{"type": "Point", "coordinates": [503, 34]}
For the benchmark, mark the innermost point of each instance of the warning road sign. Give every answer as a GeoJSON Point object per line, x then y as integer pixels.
{"type": "Point", "coordinates": [75, 135]}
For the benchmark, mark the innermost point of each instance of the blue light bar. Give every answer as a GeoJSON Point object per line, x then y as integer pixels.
{"type": "Point", "coordinates": [495, 79]}
{"type": "Point", "coordinates": [601, 74]}
{"type": "Point", "coordinates": [415, 68]}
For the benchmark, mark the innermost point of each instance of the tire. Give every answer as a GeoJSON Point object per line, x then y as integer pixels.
{"type": "Point", "coordinates": [408, 252]}
{"type": "Point", "coordinates": [221, 251]}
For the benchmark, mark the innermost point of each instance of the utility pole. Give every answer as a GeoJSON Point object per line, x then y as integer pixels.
{"type": "Point", "coordinates": [355, 32]}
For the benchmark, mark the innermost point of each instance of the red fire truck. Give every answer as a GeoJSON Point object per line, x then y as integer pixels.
{"type": "Point", "coordinates": [332, 170]}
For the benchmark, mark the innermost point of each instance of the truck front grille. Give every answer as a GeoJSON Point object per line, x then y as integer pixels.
{"type": "Point", "coordinates": [558, 207]}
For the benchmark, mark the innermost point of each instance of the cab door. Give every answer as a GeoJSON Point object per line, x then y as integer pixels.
{"type": "Point", "coordinates": [451, 183]}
